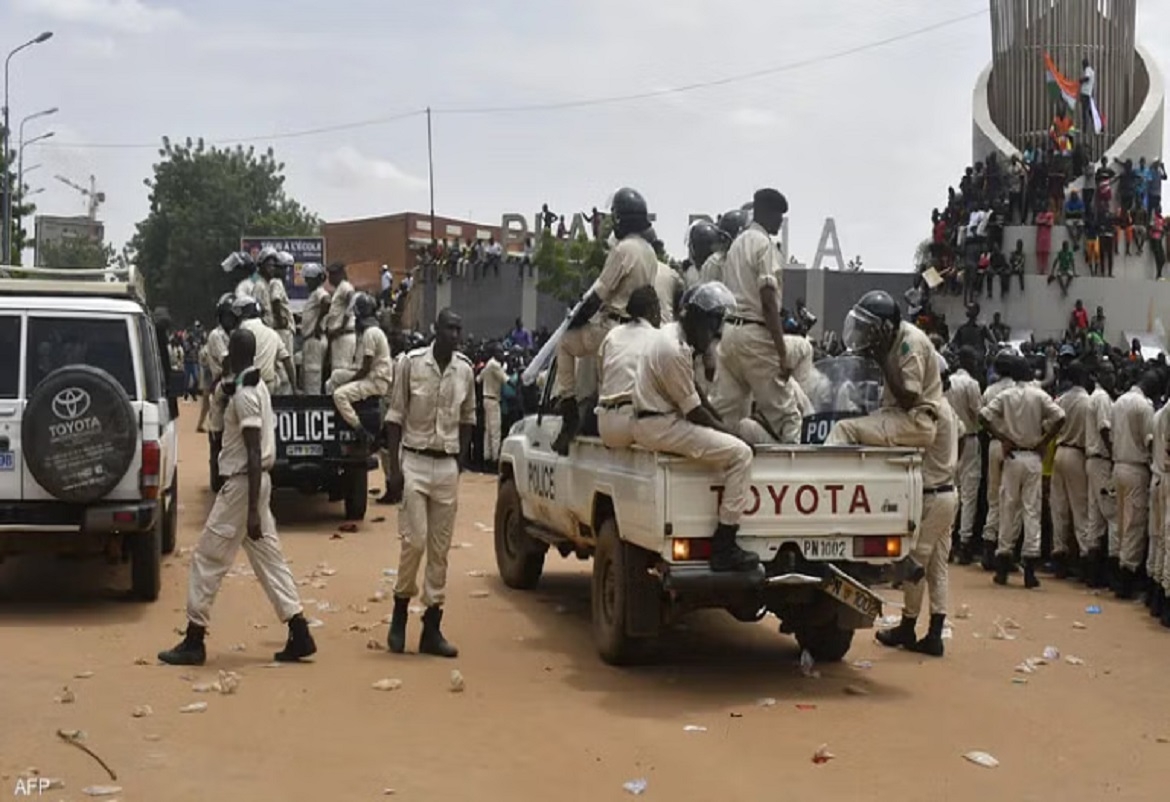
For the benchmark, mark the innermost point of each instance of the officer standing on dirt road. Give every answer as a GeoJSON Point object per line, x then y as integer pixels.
{"type": "Point", "coordinates": [965, 400]}
{"type": "Point", "coordinates": [432, 416]}
{"type": "Point", "coordinates": [752, 362]}
{"type": "Point", "coordinates": [1133, 427]}
{"type": "Point", "coordinates": [313, 342]}
{"type": "Point", "coordinates": [1070, 488]}
{"type": "Point", "coordinates": [492, 377]}
{"type": "Point", "coordinates": [618, 368]}
{"type": "Point", "coordinates": [1102, 517]}
{"type": "Point", "coordinates": [242, 515]}
{"type": "Point", "coordinates": [375, 368]}
{"type": "Point", "coordinates": [1002, 367]}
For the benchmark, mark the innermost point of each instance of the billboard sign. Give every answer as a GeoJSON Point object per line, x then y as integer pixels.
{"type": "Point", "coordinates": [305, 250]}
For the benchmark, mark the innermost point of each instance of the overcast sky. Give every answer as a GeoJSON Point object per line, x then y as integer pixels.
{"type": "Point", "coordinates": [871, 139]}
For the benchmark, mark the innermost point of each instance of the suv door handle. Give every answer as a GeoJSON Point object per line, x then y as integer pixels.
{"type": "Point", "coordinates": [7, 412]}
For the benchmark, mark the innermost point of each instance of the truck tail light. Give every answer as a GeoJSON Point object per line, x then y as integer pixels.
{"type": "Point", "coordinates": [878, 546]}
{"type": "Point", "coordinates": [685, 549]}
{"type": "Point", "coordinates": [150, 476]}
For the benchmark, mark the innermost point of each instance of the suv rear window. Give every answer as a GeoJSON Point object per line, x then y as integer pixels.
{"type": "Point", "coordinates": [54, 342]}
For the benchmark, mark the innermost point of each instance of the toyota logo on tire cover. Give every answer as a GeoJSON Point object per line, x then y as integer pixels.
{"type": "Point", "coordinates": [71, 403]}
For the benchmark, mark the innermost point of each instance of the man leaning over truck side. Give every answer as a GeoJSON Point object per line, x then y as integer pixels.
{"type": "Point", "coordinates": [375, 368]}
{"type": "Point", "coordinates": [269, 347]}
{"type": "Point", "coordinates": [618, 367]}
{"type": "Point", "coordinates": [933, 547]}
{"type": "Point", "coordinates": [670, 417]}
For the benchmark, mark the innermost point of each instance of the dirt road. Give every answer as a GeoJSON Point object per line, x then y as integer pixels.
{"type": "Point", "coordinates": [541, 717]}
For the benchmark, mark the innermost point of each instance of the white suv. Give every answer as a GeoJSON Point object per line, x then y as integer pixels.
{"type": "Point", "coordinates": [88, 448]}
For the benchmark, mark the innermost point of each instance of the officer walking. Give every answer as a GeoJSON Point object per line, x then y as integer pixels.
{"type": "Point", "coordinates": [1132, 430]}
{"type": "Point", "coordinates": [632, 263]}
{"type": "Point", "coordinates": [1070, 484]}
{"type": "Point", "coordinates": [431, 416]}
{"type": "Point", "coordinates": [339, 323]}
{"type": "Point", "coordinates": [618, 367]}
{"type": "Point", "coordinates": [965, 400]}
{"type": "Point", "coordinates": [1024, 419]}
{"type": "Point", "coordinates": [1102, 515]}
{"type": "Point", "coordinates": [933, 546]}
{"type": "Point", "coordinates": [313, 342]}
{"type": "Point", "coordinates": [752, 360]}
{"type": "Point", "coordinates": [670, 416]}
{"type": "Point", "coordinates": [492, 377]}
{"type": "Point", "coordinates": [375, 369]}
{"type": "Point", "coordinates": [282, 317]}
{"type": "Point", "coordinates": [269, 347]}
{"type": "Point", "coordinates": [1003, 373]}
{"type": "Point", "coordinates": [242, 515]}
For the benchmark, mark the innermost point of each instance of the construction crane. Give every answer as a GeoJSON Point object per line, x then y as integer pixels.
{"type": "Point", "coordinates": [94, 198]}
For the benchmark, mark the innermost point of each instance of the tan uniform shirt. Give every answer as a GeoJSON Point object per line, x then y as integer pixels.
{"type": "Point", "coordinates": [1133, 425]}
{"type": "Point", "coordinates": [995, 389]}
{"type": "Point", "coordinates": [339, 318]}
{"type": "Point", "coordinates": [373, 344]}
{"type": "Point", "coordinates": [941, 457]}
{"type": "Point", "coordinates": [800, 358]}
{"type": "Point", "coordinates": [257, 289]}
{"type": "Point", "coordinates": [965, 401]}
{"type": "Point", "coordinates": [753, 262]}
{"type": "Point", "coordinates": [270, 349]}
{"type": "Point", "coordinates": [1022, 414]}
{"type": "Point", "coordinates": [631, 264]}
{"type": "Point", "coordinates": [492, 377]}
{"type": "Point", "coordinates": [1160, 445]}
{"type": "Point", "coordinates": [665, 377]}
{"type": "Point", "coordinates": [1075, 403]}
{"type": "Point", "coordinates": [248, 408]}
{"type": "Point", "coordinates": [618, 361]}
{"type": "Point", "coordinates": [914, 360]}
{"type": "Point", "coordinates": [430, 405]}
{"type": "Point", "coordinates": [668, 284]}
{"type": "Point", "coordinates": [712, 269]}
{"type": "Point", "coordinates": [281, 311]}
{"type": "Point", "coordinates": [1099, 416]}
{"type": "Point", "coordinates": [314, 309]}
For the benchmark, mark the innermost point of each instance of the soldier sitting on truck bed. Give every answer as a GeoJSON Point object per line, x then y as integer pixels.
{"type": "Point", "coordinates": [618, 366]}
{"type": "Point", "coordinates": [375, 369]}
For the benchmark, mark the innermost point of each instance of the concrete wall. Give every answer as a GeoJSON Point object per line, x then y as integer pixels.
{"type": "Point", "coordinates": [490, 305]}
{"type": "Point", "coordinates": [1145, 135]}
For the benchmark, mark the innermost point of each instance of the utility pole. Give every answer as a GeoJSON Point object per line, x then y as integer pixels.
{"type": "Point", "coordinates": [431, 173]}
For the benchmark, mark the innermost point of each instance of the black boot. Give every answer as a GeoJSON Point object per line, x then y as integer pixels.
{"type": "Point", "coordinates": [1060, 566]}
{"type": "Point", "coordinates": [396, 637]}
{"type": "Point", "coordinates": [389, 497]}
{"type": "Point", "coordinates": [1030, 580]}
{"type": "Point", "coordinates": [966, 554]}
{"type": "Point", "coordinates": [988, 560]}
{"type": "Point", "coordinates": [932, 644]}
{"type": "Point", "coordinates": [726, 555]}
{"type": "Point", "coordinates": [901, 635]}
{"type": "Point", "coordinates": [1003, 566]}
{"type": "Point", "coordinates": [300, 643]}
{"type": "Point", "coordinates": [1166, 613]}
{"type": "Point", "coordinates": [1159, 601]}
{"type": "Point", "coordinates": [1125, 583]}
{"type": "Point", "coordinates": [570, 420]}
{"type": "Point", "coordinates": [1113, 572]}
{"type": "Point", "coordinates": [432, 641]}
{"type": "Point", "coordinates": [1094, 569]}
{"type": "Point", "coordinates": [190, 652]}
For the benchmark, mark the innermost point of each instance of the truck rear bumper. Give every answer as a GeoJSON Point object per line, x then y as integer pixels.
{"type": "Point", "coordinates": [313, 474]}
{"type": "Point", "coordinates": [99, 519]}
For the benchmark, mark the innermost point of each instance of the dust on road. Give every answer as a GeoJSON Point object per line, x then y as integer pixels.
{"type": "Point", "coordinates": [540, 717]}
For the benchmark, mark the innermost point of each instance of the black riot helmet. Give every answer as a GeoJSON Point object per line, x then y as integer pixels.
{"type": "Point", "coordinates": [872, 323]}
{"type": "Point", "coordinates": [629, 212]}
{"type": "Point", "coordinates": [703, 239]}
{"type": "Point", "coordinates": [734, 222]}
{"type": "Point", "coordinates": [365, 308]}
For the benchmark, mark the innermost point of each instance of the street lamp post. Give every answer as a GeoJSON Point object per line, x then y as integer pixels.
{"type": "Point", "coordinates": [6, 234]}
{"type": "Point", "coordinates": [22, 143]}
{"type": "Point", "coordinates": [20, 174]}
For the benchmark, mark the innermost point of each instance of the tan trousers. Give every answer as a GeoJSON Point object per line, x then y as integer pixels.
{"type": "Point", "coordinates": [312, 365]}
{"type": "Point", "coordinates": [1133, 511]}
{"type": "Point", "coordinates": [967, 476]}
{"type": "Point", "coordinates": [426, 521]}
{"type": "Point", "coordinates": [289, 382]}
{"type": "Point", "coordinates": [1102, 517]}
{"type": "Point", "coordinates": [728, 455]}
{"type": "Point", "coordinates": [1070, 502]}
{"type": "Point", "coordinates": [574, 345]}
{"type": "Point", "coordinates": [223, 534]}
{"type": "Point", "coordinates": [342, 351]}
{"type": "Point", "coordinates": [349, 393]}
{"type": "Point", "coordinates": [994, 476]}
{"type": "Point", "coordinates": [1157, 519]}
{"type": "Point", "coordinates": [747, 370]}
{"type": "Point", "coordinates": [888, 426]}
{"type": "Point", "coordinates": [1020, 494]}
{"type": "Point", "coordinates": [616, 426]}
{"type": "Point", "coordinates": [491, 429]}
{"type": "Point", "coordinates": [1164, 492]}
{"type": "Point", "coordinates": [932, 550]}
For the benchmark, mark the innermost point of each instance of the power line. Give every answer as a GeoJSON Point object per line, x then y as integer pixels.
{"type": "Point", "coordinates": [560, 105]}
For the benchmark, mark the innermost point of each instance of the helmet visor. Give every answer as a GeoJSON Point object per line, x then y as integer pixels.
{"type": "Point", "coordinates": [861, 331]}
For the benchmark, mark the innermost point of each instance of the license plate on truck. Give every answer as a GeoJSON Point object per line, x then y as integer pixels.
{"type": "Point", "coordinates": [308, 450]}
{"type": "Point", "coordinates": [827, 548]}
{"type": "Point", "coordinates": [852, 593]}
{"type": "Point", "coordinates": [7, 461]}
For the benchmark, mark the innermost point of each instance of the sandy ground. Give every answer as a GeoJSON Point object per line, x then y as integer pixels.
{"type": "Point", "coordinates": [541, 717]}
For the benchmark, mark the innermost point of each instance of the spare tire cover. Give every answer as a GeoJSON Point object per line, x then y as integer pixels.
{"type": "Point", "coordinates": [79, 433]}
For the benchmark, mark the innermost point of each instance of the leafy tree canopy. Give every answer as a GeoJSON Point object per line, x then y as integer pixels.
{"type": "Point", "coordinates": [21, 210]}
{"type": "Point", "coordinates": [80, 252]}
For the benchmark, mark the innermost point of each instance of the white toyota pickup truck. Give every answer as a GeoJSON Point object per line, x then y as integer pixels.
{"type": "Point", "coordinates": [824, 520]}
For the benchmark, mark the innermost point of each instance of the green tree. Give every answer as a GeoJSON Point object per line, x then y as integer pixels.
{"type": "Point", "coordinates": [21, 209]}
{"type": "Point", "coordinates": [77, 252]}
{"type": "Point", "coordinates": [202, 200]}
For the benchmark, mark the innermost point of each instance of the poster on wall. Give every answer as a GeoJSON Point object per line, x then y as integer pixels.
{"type": "Point", "coordinates": [305, 250]}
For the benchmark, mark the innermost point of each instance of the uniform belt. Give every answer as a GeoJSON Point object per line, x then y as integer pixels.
{"type": "Point", "coordinates": [1131, 462]}
{"type": "Point", "coordinates": [1070, 445]}
{"type": "Point", "coordinates": [735, 320]}
{"type": "Point", "coordinates": [491, 398]}
{"type": "Point", "coordinates": [1100, 456]}
{"type": "Point", "coordinates": [937, 491]}
{"type": "Point", "coordinates": [429, 452]}
{"type": "Point", "coordinates": [649, 413]}
{"type": "Point", "coordinates": [617, 317]}
{"type": "Point", "coordinates": [612, 406]}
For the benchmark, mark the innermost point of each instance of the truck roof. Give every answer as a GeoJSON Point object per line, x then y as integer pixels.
{"type": "Point", "coordinates": [109, 289]}
{"type": "Point", "coordinates": [78, 305]}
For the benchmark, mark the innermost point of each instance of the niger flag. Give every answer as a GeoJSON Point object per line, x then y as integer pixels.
{"type": "Point", "coordinates": [1059, 87]}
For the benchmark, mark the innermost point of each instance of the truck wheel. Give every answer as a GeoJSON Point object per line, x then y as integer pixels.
{"type": "Point", "coordinates": [613, 572]}
{"type": "Point", "coordinates": [171, 519]}
{"type": "Point", "coordinates": [146, 562]}
{"type": "Point", "coordinates": [827, 643]}
{"type": "Point", "coordinates": [519, 558]}
{"type": "Point", "coordinates": [357, 493]}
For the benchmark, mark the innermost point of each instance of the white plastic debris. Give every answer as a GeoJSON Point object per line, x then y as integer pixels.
{"type": "Point", "coordinates": [694, 728]}
{"type": "Point", "coordinates": [196, 707]}
{"type": "Point", "coordinates": [822, 755]}
{"type": "Point", "coordinates": [947, 633]}
{"type": "Point", "coordinates": [1010, 623]}
{"type": "Point", "coordinates": [1025, 668]}
{"type": "Point", "coordinates": [378, 596]}
{"type": "Point", "coordinates": [327, 607]}
{"type": "Point", "coordinates": [101, 790]}
{"type": "Point", "coordinates": [1000, 631]}
{"type": "Point", "coordinates": [1078, 625]}
{"type": "Point", "coordinates": [315, 622]}
{"type": "Point", "coordinates": [864, 665]}
{"type": "Point", "coordinates": [964, 612]}
{"type": "Point", "coordinates": [239, 647]}
{"type": "Point", "coordinates": [142, 711]}
{"type": "Point", "coordinates": [387, 685]}
{"type": "Point", "coordinates": [1051, 653]}
{"type": "Point", "coordinates": [767, 701]}
{"type": "Point", "coordinates": [481, 526]}
{"type": "Point", "coordinates": [457, 683]}
{"type": "Point", "coordinates": [477, 573]}
{"type": "Point", "coordinates": [982, 759]}
{"type": "Point", "coordinates": [390, 572]}
{"type": "Point", "coordinates": [83, 675]}
{"type": "Point", "coordinates": [479, 594]}
{"type": "Point", "coordinates": [204, 687]}
{"type": "Point", "coordinates": [1074, 661]}
{"type": "Point", "coordinates": [229, 682]}
{"type": "Point", "coordinates": [636, 787]}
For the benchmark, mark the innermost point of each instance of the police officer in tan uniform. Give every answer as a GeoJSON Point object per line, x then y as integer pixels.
{"type": "Point", "coordinates": [215, 352]}
{"type": "Point", "coordinates": [1102, 517]}
{"type": "Point", "coordinates": [1024, 419]}
{"type": "Point", "coordinates": [964, 396]}
{"type": "Point", "coordinates": [282, 316]}
{"type": "Point", "coordinates": [670, 416]}
{"type": "Point", "coordinates": [618, 367]}
{"type": "Point", "coordinates": [1159, 461]}
{"type": "Point", "coordinates": [242, 516]}
{"type": "Point", "coordinates": [752, 359]}
{"type": "Point", "coordinates": [339, 323]}
{"type": "Point", "coordinates": [1132, 430]}
{"type": "Point", "coordinates": [730, 225]}
{"type": "Point", "coordinates": [1070, 488]}
{"type": "Point", "coordinates": [493, 377]}
{"type": "Point", "coordinates": [255, 285]}
{"type": "Point", "coordinates": [375, 368]}
{"type": "Point", "coordinates": [1160, 576]}
{"type": "Point", "coordinates": [1002, 367]}
{"type": "Point", "coordinates": [933, 546]}
{"type": "Point", "coordinates": [632, 263]}
{"type": "Point", "coordinates": [313, 342]}
{"type": "Point", "coordinates": [432, 416]}
{"type": "Point", "coordinates": [269, 347]}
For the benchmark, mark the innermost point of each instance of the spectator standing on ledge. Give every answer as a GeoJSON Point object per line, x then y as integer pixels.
{"type": "Point", "coordinates": [1106, 232]}
{"type": "Point", "coordinates": [1088, 86]}
{"type": "Point", "coordinates": [1157, 246]}
{"type": "Point", "coordinates": [547, 218]}
{"type": "Point", "coordinates": [1016, 264]}
{"type": "Point", "coordinates": [1044, 222]}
